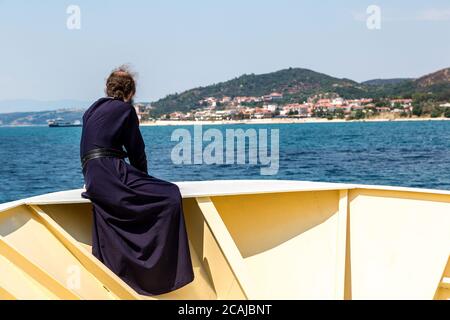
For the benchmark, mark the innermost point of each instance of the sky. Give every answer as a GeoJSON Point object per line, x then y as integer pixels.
{"type": "Point", "coordinates": [175, 45]}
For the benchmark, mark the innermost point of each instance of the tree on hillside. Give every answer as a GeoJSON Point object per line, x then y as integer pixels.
{"type": "Point", "coordinates": [447, 113]}
{"type": "Point", "coordinates": [417, 110]}
{"type": "Point", "coordinates": [359, 114]}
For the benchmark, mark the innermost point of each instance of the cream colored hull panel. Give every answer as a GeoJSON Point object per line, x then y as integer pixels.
{"type": "Point", "coordinates": [248, 240]}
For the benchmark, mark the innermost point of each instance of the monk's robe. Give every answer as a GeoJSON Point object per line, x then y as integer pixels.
{"type": "Point", "coordinates": [139, 230]}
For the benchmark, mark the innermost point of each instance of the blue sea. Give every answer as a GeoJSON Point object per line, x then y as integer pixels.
{"type": "Point", "coordinates": [38, 160]}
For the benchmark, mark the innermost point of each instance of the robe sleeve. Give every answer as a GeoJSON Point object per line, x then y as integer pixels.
{"type": "Point", "coordinates": [134, 143]}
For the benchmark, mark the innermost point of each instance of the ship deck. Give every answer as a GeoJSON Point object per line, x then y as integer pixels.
{"type": "Point", "coordinates": [249, 239]}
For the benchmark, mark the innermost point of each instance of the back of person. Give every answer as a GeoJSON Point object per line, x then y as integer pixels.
{"type": "Point", "coordinates": [103, 124]}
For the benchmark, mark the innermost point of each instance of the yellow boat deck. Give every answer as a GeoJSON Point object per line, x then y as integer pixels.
{"type": "Point", "coordinates": [249, 240]}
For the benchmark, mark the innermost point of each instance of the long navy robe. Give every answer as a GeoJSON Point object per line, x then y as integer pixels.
{"type": "Point", "coordinates": [139, 229]}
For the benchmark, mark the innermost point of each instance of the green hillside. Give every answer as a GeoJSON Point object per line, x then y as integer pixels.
{"type": "Point", "coordinates": [298, 84]}
{"type": "Point", "coordinates": [295, 84]}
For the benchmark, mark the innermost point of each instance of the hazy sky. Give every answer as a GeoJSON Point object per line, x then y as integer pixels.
{"type": "Point", "coordinates": [177, 45]}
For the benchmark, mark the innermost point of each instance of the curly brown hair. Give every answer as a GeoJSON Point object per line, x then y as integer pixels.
{"type": "Point", "coordinates": [120, 83]}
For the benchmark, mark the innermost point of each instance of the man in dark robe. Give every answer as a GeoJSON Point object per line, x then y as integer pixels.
{"type": "Point", "coordinates": [138, 228]}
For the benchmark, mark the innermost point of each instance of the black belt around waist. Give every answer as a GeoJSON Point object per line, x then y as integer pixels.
{"type": "Point", "coordinates": [102, 153]}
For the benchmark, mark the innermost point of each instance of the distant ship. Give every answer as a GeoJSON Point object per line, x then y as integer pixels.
{"type": "Point", "coordinates": [58, 123]}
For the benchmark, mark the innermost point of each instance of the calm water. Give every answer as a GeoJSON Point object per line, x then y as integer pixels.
{"type": "Point", "coordinates": [37, 160]}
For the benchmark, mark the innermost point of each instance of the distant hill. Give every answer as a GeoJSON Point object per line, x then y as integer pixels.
{"type": "Point", "coordinates": [379, 82]}
{"type": "Point", "coordinates": [29, 105]}
{"type": "Point", "coordinates": [39, 117]}
{"type": "Point", "coordinates": [436, 78]}
{"type": "Point", "coordinates": [298, 84]}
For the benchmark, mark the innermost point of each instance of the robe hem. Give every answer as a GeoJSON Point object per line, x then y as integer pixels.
{"type": "Point", "coordinates": [166, 290]}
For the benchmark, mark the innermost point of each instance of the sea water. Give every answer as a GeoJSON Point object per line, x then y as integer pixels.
{"type": "Point", "coordinates": [39, 160]}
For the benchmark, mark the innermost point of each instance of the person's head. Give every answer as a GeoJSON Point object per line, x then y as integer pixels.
{"type": "Point", "coordinates": [121, 84]}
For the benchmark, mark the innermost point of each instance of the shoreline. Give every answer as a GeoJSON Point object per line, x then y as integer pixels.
{"type": "Point", "coordinates": [277, 121]}
{"type": "Point", "coordinates": [163, 123]}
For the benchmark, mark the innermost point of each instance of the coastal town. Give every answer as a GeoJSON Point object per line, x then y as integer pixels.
{"type": "Point", "coordinates": [271, 106]}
